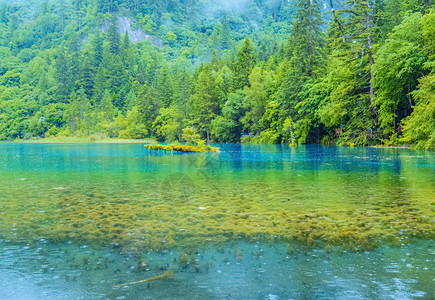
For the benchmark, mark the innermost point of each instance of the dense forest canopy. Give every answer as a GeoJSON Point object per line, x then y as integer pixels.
{"type": "Point", "coordinates": [255, 71]}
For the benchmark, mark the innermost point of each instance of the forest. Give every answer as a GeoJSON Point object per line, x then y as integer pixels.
{"type": "Point", "coordinates": [251, 71]}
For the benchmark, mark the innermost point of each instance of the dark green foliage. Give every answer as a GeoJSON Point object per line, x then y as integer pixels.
{"type": "Point", "coordinates": [228, 128]}
{"type": "Point", "coordinates": [419, 127]}
{"type": "Point", "coordinates": [305, 60]}
{"type": "Point", "coordinates": [243, 66]}
{"type": "Point", "coordinates": [398, 66]}
{"type": "Point", "coordinates": [114, 38]}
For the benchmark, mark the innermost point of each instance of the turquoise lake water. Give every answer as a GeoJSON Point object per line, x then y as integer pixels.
{"type": "Point", "coordinates": [84, 221]}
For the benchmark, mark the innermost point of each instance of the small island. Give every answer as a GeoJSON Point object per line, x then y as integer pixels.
{"type": "Point", "coordinates": [193, 144]}
{"type": "Point", "coordinates": [181, 148]}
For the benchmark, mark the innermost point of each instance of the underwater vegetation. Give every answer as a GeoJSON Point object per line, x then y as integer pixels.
{"type": "Point", "coordinates": [140, 218]}
{"type": "Point", "coordinates": [200, 202]}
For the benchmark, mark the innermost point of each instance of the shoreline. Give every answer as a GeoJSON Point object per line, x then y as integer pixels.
{"type": "Point", "coordinates": [89, 140]}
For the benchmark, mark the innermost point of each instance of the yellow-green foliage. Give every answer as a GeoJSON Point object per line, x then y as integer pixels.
{"type": "Point", "coordinates": [182, 148]}
{"type": "Point", "coordinates": [190, 136]}
{"type": "Point", "coordinates": [144, 218]}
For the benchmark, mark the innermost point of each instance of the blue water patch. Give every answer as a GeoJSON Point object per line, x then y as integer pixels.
{"type": "Point", "coordinates": [133, 157]}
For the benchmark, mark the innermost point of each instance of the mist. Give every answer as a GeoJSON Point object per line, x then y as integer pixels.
{"type": "Point", "coordinates": [218, 7]}
{"type": "Point", "coordinates": [215, 8]}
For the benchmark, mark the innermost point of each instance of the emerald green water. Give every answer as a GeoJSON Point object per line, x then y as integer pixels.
{"type": "Point", "coordinates": [251, 222]}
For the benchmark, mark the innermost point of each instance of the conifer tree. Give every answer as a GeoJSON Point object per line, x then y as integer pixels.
{"type": "Point", "coordinates": [203, 104]}
{"type": "Point", "coordinates": [350, 78]}
{"type": "Point", "coordinates": [304, 63]}
{"type": "Point", "coordinates": [113, 37]}
{"type": "Point", "coordinates": [86, 76]}
{"type": "Point", "coordinates": [63, 76]}
{"type": "Point", "coordinates": [243, 66]}
{"type": "Point", "coordinates": [97, 50]}
{"type": "Point", "coordinates": [358, 31]}
{"type": "Point", "coordinates": [164, 86]}
{"type": "Point", "coordinates": [399, 64]}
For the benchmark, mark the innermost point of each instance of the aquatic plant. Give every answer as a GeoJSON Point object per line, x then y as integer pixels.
{"type": "Point", "coordinates": [239, 255]}
{"type": "Point", "coordinates": [142, 264]}
{"type": "Point", "coordinates": [183, 260]}
{"type": "Point", "coordinates": [139, 219]}
{"type": "Point", "coordinates": [207, 266]}
{"type": "Point", "coordinates": [290, 250]}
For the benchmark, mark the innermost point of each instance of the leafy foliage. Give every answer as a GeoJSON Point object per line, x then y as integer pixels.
{"type": "Point", "coordinates": [270, 71]}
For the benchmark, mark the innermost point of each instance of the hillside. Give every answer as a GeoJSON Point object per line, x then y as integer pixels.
{"type": "Point", "coordinates": [252, 71]}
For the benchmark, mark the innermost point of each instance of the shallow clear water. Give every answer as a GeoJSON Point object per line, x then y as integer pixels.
{"type": "Point", "coordinates": [251, 222]}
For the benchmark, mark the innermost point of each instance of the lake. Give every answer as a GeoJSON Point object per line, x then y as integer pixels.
{"type": "Point", "coordinates": [87, 221]}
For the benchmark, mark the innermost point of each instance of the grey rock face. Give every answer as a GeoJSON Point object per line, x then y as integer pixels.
{"type": "Point", "coordinates": [137, 35]}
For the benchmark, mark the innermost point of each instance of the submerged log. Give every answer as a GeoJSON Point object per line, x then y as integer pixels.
{"type": "Point", "coordinates": [181, 148]}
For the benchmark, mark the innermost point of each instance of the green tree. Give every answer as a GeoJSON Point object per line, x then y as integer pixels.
{"type": "Point", "coordinates": [257, 96]}
{"type": "Point", "coordinates": [358, 31]}
{"type": "Point", "coordinates": [146, 23]}
{"type": "Point", "coordinates": [134, 128]}
{"type": "Point", "coordinates": [169, 124]}
{"type": "Point", "coordinates": [228, 128]}
{"type": "Point", "coordinates": [164, 85]}
{"type": "Point", "coordinates": [97, 50]}
{"type": "Point", "coordinates": [63, 75]}
{"type": "Point", "coordinates": [148, 107]}
{"type": "Point", "coordinates": [419, 127]}
{"type": "Point", "coordinates": [78, 113]}
{"type": "Point", "coordinates": [203, 102]}
{"type": "Point", "coordinates": [304, 63]}
{"type": "Point", "coordinates": [86, 76]}
{"type": "Point", "coordinates": [350, 74]}
{"type": "Point", "coordinates": [399, 64]}
{"type": "Point", "coordinates": [114, 37]}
